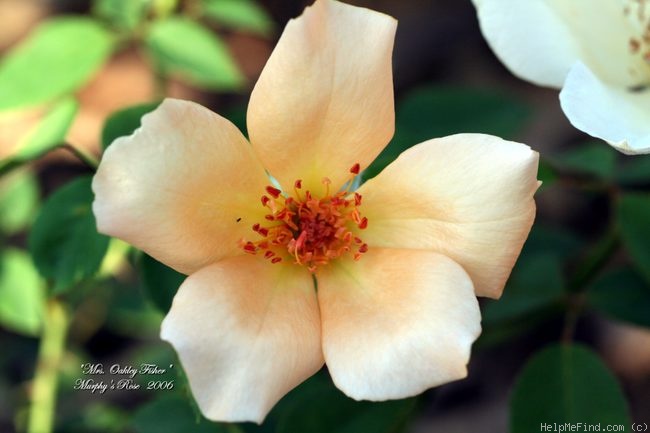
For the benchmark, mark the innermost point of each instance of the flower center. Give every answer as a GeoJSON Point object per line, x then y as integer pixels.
{"type": "Point", "coordinates": [309, 229]}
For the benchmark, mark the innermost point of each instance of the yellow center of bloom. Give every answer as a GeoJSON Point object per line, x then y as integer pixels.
{"type": "Point", "coordinates": [312, 230]}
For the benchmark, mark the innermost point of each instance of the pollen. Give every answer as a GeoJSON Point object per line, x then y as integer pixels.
{"type": "Point", "coordinates": [309, 230]}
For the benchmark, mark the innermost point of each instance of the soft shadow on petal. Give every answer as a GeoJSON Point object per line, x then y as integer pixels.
{"type": "Point", "coordinates": [618, 116]}
{"type": "Point", "coordinates": [246, 332]}
{"type": "Point", "coordinates": [467, 196]}
{"type": "Point", "coordinates": [397, 322]}
{"type": "Point", "coordinates": [324, 100]}
{"type": "Point", "coordinates": [539, 40]}
{"type": "Point", "coordinates": [184, 187]}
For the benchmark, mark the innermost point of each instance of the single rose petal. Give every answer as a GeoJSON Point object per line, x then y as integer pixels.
{"type": "Point", "coordinates": [396, 322]}
{"type": "Point", "coordinates": [619, 116]}
{"type": "Point", "coordinates": [324, 100]}
{"type": "Point", "coordinates": [467, 196]}
{"type": "Point", "coordinates": [184, 187]}
{"type": "Point", "coordinates": [539, 40]}
{"type": "Point", "coordinates": [247, 332]}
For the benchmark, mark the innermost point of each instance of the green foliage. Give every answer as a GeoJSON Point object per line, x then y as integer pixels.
{"type": "Point", "coordinates": [64, 241]}
{"type": "Point", "coordinates": [623, 295]}
{"type": "Point", "coordinates": [594, 158]}
{"type": "Point", "coordinates": [46, 136]}
{"type": "Point", "coordinates": [633, 214]}
{"type": "Point", "coordinates": [242, 15]}
{"type": "Point", "coordinates": [634, 169]}
{"type": "Point", "coordinates": [57, 59]}
{"type": "Point", "coordinates": [436, 111]}
{"type": "Point", "coordinates": [566, 384]}
{"type": "Point", "coordinates": [22, 299]}
{"type": "Point", "coordinates": [124, 122]}
{"type": "Point", "coordinates": [181, 46]}
{"type": "Point", "coordinates": [122, 14]}
{"type": "Point", "coordinates": [172, 414]}
{"type": "Point", "coordinates": [160, 282]}
{"type": "Point", "coordinates": [19, 197]}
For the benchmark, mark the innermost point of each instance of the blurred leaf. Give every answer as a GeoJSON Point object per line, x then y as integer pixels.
{"type": "Point", "coordinates": [436, 111]}
{"type": "Point", "coordinates": [318, 407]}
{"type": "Point", "coordinates": [546, 173]}
{"type": "Point", "coordinates": [566, 384]}
{"type": "Point", "coordinates": [633, 216]}
{"type": "Point", "coordinates": [22, 300]}
{"type": "Point", "coordinates": [623, 295]}
{"type": "Point", "coordinates": [536, 282]}
{"type": "Point", "coordinates": [634, 169]}
{"type": "Point", "coordinates": [64, 241]}
{"type": "Point", "coordinates": [122, 14]}
{"type": "Point", "coordinates": [171, 414]}
{"type": "Point", "coordinates": [551, 240]}
{"type": "Point", "coordinates": [124, 122]}
{"type": "Point", "coordinates": [46, 136]}
{"type": "Point", "coordinates": [59, 57]}
{"type": "Point", "coordinates": [19, 196]}
{"type": "Point", "coordinates": [594, 158]}
{"type": "Point", "coordinates": [160, 282]}
{"type": "Point", "coordinates": [181, 46]}
{"type": "Point", "coordinates": [243, 15]}
{"type": "Point", "coordinates": [130, 315]}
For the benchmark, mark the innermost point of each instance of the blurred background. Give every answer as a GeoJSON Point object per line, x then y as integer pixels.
{"type": "Point", "coordinates": [574, 323]}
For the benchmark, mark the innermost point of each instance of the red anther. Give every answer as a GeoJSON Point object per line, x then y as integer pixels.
{"type": "Point", "coordinates": [256, 227]}
{"type": "Point", "coordinates": [263, 231]}
{"type": "Point", "coordinates": [355, 168]}
{"type": "Point", "coordinates": [269, 254]}
{"type": "Point", "coordinates": [357, 199]}
{"type": "Point", "coordinates": [250, 248]}
{"type": "Point", "coordinates": [274, 192]}
{"type": "Point", "coordinates": [363, 248]}
{"type": "Point", "coordinates": [297, 184]}
{"type": "Point", "coordinates": [269, 217]}
{"type": "Point", "coordinates": [276, 259]}
{"type": "Point", "coordinates": [364, 223]}
{"type": "Point", "coordinates": [358, 240]}
{"type": "Point", "coordinates": [265, 200]}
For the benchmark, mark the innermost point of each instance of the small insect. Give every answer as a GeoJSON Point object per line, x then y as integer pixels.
{"type": "Point", "coordinates": [238, 219]}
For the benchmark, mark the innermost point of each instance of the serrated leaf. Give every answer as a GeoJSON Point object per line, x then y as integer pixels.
{"type": "Point", "coordinates": [183, 47]}
{"type": "Point", "coordinates": [633, 214]}
{"type": "Point", "coordinates": [59, 57]}
{"type": "Point", "coordinates": [566, 384]}
{"type": "Point", "coordinates": [622, 294]}
{"type": "Point", "coordinates": [19, 196]}
{"type": "Point", "coordinates": [46, 136]}
{"type": "Point", "coordinates": [64, 242]}
{"type": "Point", "coordinates": [438, 111]}
{"type": "Point", "coordinates": [160, 282]}
{"type": "Point", "coordinates": [124, 122]}
{"type": "Point", "coordinates": [22, 300]}
{"type": "Point", "coordinates": [243, 15]}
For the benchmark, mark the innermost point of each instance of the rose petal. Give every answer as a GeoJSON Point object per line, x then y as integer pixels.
{"type": "Point", "coordinates": [539, 40]}
{"type": "Point", "coordinates": [396, 322]}
{"type": "Point", "coordinates": [619, 116]}
{"type": "Point", "coordinates": [185, 187]}
{"type": "Point", "coordinates": [246, 332]}
{"type": "Point", "coordinates": [324, 100]}
{"type": "Point", "coordinates": [467, 196]}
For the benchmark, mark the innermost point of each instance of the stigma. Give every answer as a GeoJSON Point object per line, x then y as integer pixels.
{"type": "Point", "coordinates": [307, 229]}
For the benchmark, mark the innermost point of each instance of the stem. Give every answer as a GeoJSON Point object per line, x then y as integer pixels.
{"type": "Point", "coordinates": [50, 353]}
{"type": "Point", "coordinates": [83, 156]}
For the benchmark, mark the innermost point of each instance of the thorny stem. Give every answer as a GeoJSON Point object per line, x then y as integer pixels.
{"type": "Point", "coordinates": [50, 353]}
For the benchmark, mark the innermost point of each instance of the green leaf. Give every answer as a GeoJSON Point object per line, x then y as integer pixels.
{"type": "Point", "coordinates": [594, 158]}
{"type": "Point", "coordinates": [19, 196]}
{"type": "Point", "coordinates": [243, 15]}
{"type": "Point", "coordinates": [56, 59]}
{"type": "Point", "coordinates": [124, 122]}
{"type": "Point", "coordinates": [622, 294]}
{"type": "Point", "coordinates": [318, 407]}
{"type": "Point", "coordinates": [437, 111]}
{"type": "Point", "coordinates": [566, 384]}
{"type": "Point", "coordinates": [633, 169]}
{"type": "Point", "coordinates": [171, 414]}
{"type": "Point", "coordinates": [64, 241]}
{"type": "Point", "coordinates": [181, 46]}
{"type": "Point", "coordinates": [160, 282]}
{"type": "Point", "coordinates": [536, 282]}
{"type": "Point", "coordinates": [122, 14]}
{"type": "Point", "coordinates": [46, 136]}
{"type": "Point", "coordinates": [633, 213]}
{"type": "Point", "coordinates": [22, 300]}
